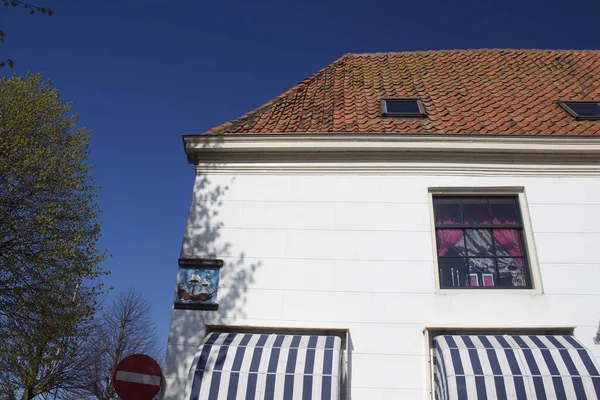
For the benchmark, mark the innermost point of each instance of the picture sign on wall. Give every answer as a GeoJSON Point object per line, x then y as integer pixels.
{"type": "Point", "coordinates": [198, 284]}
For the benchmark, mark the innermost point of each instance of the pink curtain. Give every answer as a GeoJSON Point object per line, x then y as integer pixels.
{"type": "Point", "coordinates": [447, 238]}
{"type": "Point", "coordinates": [510, 240]}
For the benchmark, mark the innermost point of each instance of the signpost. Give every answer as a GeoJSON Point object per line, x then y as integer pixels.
{"type": "Point", "coordinates": [137, 377]}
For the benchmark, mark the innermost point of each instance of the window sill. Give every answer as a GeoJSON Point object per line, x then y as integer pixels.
{"type": "Point", "coordinates": [488, 291]}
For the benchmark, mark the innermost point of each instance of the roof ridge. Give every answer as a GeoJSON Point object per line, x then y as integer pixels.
{"type": "Point", "coordinates": [481, 50]}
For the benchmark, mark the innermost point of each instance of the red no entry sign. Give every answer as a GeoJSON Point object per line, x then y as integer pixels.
{"type": "Point", "coordinates": [137, 377]}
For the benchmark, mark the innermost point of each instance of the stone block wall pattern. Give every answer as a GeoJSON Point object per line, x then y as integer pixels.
{"type": "Point", "coordinates": [356, 252]}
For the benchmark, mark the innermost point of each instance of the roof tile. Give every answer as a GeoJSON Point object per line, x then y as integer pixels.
{"type": "Point", "coordinates": [463, 91]}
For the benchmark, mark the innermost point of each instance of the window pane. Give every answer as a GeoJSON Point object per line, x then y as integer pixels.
{"type": "Point", "coordinates": [450, 242]}
{"type": "Point", "coordinates": [488, 280]}
{"type": "Point", "coordinates": [482, 265]}
{"type": "Point", "coordinates": [504, 211]}
{"type": "Point", "coordinates": [512, 272]}
{"type": "Point", "coordinates": [479, 242]}
{"type": "Point", "coordinates": [476, 211]}
{"type": "Point", "coordinates": [586, 109]}
{"type": "Point", "coordinates": [453, 272]}
{"type": "Point", "coordinates": [447, 211]}
{"type": "Point", "coordinates": [508, 242]}
{"type": "Point", "coordinates": [402, 106]}
{"type": "Point", "coordinates": [482, 271]}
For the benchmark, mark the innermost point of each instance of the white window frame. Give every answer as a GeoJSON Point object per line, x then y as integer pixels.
{"type": "Point", "coordinates": [532, 261]}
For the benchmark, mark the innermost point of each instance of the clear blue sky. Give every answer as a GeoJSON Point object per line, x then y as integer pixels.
{"type": "Point", "coordinates": [141, 73]}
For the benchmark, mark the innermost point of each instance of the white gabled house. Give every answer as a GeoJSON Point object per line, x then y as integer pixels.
{"type": "Point", "coordinates": [398, 226]}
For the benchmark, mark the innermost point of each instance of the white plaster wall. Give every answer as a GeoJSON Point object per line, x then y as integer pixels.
{"type": "Point", "coordinates": [356, 252]}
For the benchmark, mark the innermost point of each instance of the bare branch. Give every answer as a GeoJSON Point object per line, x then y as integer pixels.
{"type": "Point", "coordinates": [32, 9]}
{"type": "Point", "coordinates": [124, 328]}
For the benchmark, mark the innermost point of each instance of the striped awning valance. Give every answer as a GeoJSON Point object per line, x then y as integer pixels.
{"type": "Point", "coordinates": [265, 366]}
{"type": "Point", "coordinates": [513, 367]}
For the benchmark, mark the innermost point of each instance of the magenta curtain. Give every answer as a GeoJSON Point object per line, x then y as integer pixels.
{"type": "Point", "coordinates": [447, 238]}
{"type": "Point", "coordinates": [510, 240]}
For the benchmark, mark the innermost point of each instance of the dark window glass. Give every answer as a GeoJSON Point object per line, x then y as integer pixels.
{"type": "Point", "coordinates": [480, 243]}
{"type": "Point", "coordinates": [586, 109]}
{"type": "Point", "coordinates": [451, 242]}
{"type": "Point", "coordinates": [508, 242]}
{"type": "Point", "coordinates": [453, 272]}
{"type": "Point", "coordinates": [504, 211]}
{"type": "Point", "coordinates": [476, 211]}
{"type": "Point", "coordinates": [402, 107]}
{"type": "Point", "coordinates": [512, 272]}
{"type": "Point", "coordinates": [447, 211]}
{"type": "Point", "coordinates": [482, 271]}
{"type": "Point", "coordinates": [582, 109]}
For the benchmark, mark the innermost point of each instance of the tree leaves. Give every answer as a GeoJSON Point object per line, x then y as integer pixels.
{"type": "Point", "coordinates": [32, 8]}
{"type": "Point", "coordinates": [49, 262]}
{"type": "Point", "coordinates": [8, 62]}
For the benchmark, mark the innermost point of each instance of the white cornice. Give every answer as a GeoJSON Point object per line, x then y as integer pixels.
{"type": "Point", "coordinates": [395, 153]}
{"type": "Point", "coordinates": [386, 141]}
{"type": "Point", "coordinates": [474, 169]}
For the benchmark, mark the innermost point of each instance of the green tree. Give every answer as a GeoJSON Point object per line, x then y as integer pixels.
{"type": "Point", "coordinates": [32, 9]}
{"type": "Point", "coordinates": [49, 264]}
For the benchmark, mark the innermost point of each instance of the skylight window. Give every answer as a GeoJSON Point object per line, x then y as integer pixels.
{"type": "Point", "coordinates": [402, 107]}
{"type": "Point", "coordinates": [581, 109]}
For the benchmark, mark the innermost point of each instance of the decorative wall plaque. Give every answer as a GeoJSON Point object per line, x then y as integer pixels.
{"type": "Point", "coordinates": [198, 284]}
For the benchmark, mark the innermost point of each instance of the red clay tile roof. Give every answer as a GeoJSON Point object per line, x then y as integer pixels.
{"type": "Point", "coordinates": [463, 91]}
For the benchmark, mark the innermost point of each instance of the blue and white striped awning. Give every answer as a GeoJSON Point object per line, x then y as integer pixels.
{"type": "Point", "coordinates": [262, 366]}
{"type": "Point", "coordinates": [513, 367]}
